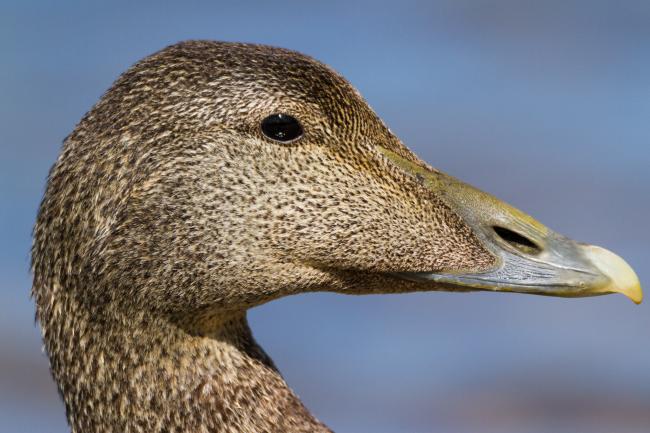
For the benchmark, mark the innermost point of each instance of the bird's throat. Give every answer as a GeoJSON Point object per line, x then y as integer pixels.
{"type": "Point", "coordinates": [148, 374]}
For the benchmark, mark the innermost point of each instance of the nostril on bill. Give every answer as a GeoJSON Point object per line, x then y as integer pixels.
{"type": "Point", "coordinates": [517, 241]}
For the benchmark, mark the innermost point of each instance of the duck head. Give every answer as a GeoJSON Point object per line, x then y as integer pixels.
{"type": "Point", "coordinates": [220, 176]}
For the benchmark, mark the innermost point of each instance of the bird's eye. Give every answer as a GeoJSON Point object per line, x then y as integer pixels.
{"type": "Point", "coordinates": [281, 127]}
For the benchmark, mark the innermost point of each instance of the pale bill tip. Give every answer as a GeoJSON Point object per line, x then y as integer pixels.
{"type": "Point", "coordinates": [622, 277]}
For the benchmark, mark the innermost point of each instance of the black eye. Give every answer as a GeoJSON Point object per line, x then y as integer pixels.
{"type": "Point", "coordinates": [281, 127]}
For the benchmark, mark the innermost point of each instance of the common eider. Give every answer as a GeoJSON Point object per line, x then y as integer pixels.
{"type": "Point", "coordinates": [213, 177]}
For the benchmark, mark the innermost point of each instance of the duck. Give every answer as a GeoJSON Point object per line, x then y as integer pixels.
{"type": "Point", "coordinates": [213, 177]}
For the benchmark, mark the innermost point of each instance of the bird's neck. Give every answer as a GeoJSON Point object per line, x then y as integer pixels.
{"type": "Point", "coordinates": [149, 375]}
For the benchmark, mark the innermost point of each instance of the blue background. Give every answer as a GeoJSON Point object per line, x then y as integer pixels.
{"type": "Point", "coordinates": [544, 104]}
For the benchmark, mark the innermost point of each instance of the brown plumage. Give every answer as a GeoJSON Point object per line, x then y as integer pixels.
{"type": "Point", "coordinates": [169, 213]}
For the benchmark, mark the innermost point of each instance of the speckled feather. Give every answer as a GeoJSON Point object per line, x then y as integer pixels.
{"type": "Point", "coordinates": [168, 214]}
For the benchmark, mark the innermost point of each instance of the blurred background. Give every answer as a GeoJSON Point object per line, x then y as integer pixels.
{"type": "Point", "coordinates": [544, 104]}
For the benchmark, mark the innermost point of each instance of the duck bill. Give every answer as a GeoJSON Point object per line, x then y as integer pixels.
{"type": "Point", "coordinates": [530, 258]}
